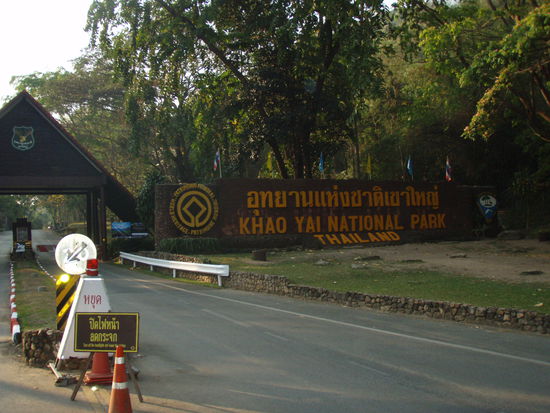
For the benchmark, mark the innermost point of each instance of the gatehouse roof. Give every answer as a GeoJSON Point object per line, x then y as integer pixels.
{"type": "Point", "coordinates": [39, 156]}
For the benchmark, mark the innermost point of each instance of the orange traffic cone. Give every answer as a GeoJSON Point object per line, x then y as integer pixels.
{"type": "Point", "coordinates": [101, 370]}
{"type": "Point", "coordinates": [120, 395]}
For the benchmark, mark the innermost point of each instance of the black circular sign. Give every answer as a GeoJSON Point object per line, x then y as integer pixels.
{"type": "Point", "coordinates": [194, 209]}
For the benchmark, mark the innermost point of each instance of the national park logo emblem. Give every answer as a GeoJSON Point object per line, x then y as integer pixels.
{"type": "Point", "coordinates": [194, 209]}
{"type": "Point", "coordinates": [23, 138]}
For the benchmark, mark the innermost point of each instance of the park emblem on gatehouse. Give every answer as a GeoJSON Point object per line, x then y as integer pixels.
{"type": "Point", "coordinates": [23, 138]}
{"type": "Point", "coordinates": [194, 209]}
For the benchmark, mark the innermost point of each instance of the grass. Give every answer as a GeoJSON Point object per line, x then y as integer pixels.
{"type": "Point", "coordinates": [34, 296]}
{"type": "Point", "coordinates": [379, 277]}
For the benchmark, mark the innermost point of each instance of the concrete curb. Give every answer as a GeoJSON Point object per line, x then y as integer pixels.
{"type": "Point", "coordinates": [14, 322]}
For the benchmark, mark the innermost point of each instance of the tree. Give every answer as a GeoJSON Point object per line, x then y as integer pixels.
{"type": "Point", "coordinates": [500, 47]}
{"type": "Point", "coordinates": [496, 56]}
{"type": "Point", "coordinates": [295, 68]}
{"type": "Point", "coordinates": [146, 199]}
{"type": "Point", "coordinates": [517, 66]}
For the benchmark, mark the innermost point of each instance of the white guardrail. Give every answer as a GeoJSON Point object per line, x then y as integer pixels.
{"type": "Point", "coordinates": [219, 270]}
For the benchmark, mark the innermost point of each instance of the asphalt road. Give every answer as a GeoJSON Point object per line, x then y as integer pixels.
{"type": "Point", "coordinates": [221, 350]}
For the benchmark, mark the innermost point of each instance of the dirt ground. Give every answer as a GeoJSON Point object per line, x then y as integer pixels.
{"type": "Point", "coordinates": [526, 260]}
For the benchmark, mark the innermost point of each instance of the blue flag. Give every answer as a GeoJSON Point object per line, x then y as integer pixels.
{"type": "Point", "coordinates": [217, 160]}
{"type": "Point", "coordinates": [322, 163]}
{"type": "Point", "coordinates": [448, 170]}
{"type": "Point", "coordinates": [410, 167]}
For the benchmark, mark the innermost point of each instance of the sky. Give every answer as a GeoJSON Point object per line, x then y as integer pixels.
{"type": "Point", "coordinates": [39, 36]}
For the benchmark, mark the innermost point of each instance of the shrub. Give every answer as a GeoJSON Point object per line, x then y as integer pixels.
{"type": "Point", "coordinates": [259, 242]}
{"type": "Point", "coordinates": [229, 244]}
{"type": "Point", "coordinates": [190, 245]}
{"type": "Point", "coordinates": [129, 245]}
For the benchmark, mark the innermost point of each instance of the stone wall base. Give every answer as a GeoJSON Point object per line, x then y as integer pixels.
{"type": "Point", "coordinates": [274, 284]}
{"type": "Point", "coordinates": [493, 316]}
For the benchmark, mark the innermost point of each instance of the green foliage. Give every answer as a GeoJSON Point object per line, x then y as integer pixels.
{"type": "Point", "coordinates": [206, 245]}
{"type": "Point", "coordinates": [501, 49]}
{"type": "Point", "coordinates": [190, 245]}
{"type": "Point", "coordinates": [290, 72]}
{"type": "Point", "coordinates": [129, 245]}
{"type": "Point", "coordinates": [519, 63]}
{"type": "Point", "coordinates": [12, 208]}
{"type": "Point", "coordinates": [482, 72]}
{"type": "Point", "coordinates": [259, 242]}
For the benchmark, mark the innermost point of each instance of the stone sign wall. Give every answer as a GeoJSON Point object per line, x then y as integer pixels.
{"type": "Point", "coordinates": [333, 212]}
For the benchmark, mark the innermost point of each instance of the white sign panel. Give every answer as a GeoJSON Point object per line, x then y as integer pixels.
{"type": "Point", "coordinates": [90, 297]}
{"type": "Point", "coordinates": [72, 253]}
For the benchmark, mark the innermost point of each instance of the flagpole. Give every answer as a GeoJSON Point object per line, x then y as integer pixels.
{"type": "Point", "coordinates": [402, 163]}
{"type": "Point", "coordinates": [369, 167]}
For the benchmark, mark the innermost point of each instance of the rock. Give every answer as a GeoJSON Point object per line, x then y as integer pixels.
{"type": "Point", "coordinates": [511, 235]}
{"type": "Point", "coordinates": [531, 272]}
{"type": "Point", "coordinates": [322, 262]}
{"type": "Point", "coordinates": [411, 261]}
{"type": "Point", "coordinates": [356, 266]}
{"type": "Point", "coordinates": [457, 256]}
{"type": "Point", "coordinates": [259, 255]}
{"type": "Point", "coordinates": [368, 258]}
{"type": "Point", "coordinates": [41, 289]}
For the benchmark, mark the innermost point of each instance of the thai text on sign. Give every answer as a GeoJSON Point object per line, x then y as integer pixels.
{"type": "Point", "coordinates": [103, 332]}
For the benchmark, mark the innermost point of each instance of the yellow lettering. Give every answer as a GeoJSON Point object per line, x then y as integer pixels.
{"type": "Point", "coordinates": [281, 225]}
{"type": "Point", "coordinates": [373, 237]}
{"type": "Point", "coordinates": [368, 223]}
{"type": "Point", "coordinates": [243, 225]}
{"type": "Point", "coordinates": [333, 239]}
{"type": "Point", "coordinates": [310, 224]}
{"type": "Point", "coordinates": [332, 224]}
{"type": "Point", "coordinates": [345, 239]}
{"type": "Point", "coordinates": [389, 222]}
{"type": "Point", "coordinates": [396, 225]}
{"type": "Point", "coordinates": [415, 219]}
{"type": "Point", "coordinates": [432, 218]}
{"type": "Point", "coordinates": [355, 237]}
{"type": "Point", "coordinates": [344, 224]}
{"type": "Point", "coordinates": [441, 221]}
{"type": "Point", "coordinates": [257, 225]}
{"type": "Point", "coordinates": [353, 222]}
{"type": "Point", "coordinates": [360, 240]}
{"type": "Point", "coordinates": [270, 226]}
{"type": "Point", "coordinates": [378, 222]}
{"type": "Point", "coordinates": [423, 222]}
{"type": "Point", "coordinates": [321, 238]}
{"type": "Point", "coordinates": [299, 222]}
{"type": "Point", "coordinates": [394, 236]}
